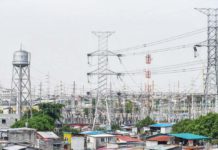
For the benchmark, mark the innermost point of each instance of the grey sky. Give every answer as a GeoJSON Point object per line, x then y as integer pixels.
{"type": "Point", "coordinates": [58, 35]}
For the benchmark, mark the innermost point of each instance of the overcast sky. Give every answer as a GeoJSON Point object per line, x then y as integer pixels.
{"type": "Point", "coordinates": [58, 35]}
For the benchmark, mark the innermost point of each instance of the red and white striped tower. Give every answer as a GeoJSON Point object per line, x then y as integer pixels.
{"type": "Point", "coordinates": [148, 84]}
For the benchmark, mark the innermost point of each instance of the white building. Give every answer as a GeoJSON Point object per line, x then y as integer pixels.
{"type": "Point", "coordinates": [163, 128]}
{"type": "Point", "coordinates": [5, 94]}
{"type": "Point", "coordinates": [7, 120]}
{"type": "Point", "coordinates": [99, 140]}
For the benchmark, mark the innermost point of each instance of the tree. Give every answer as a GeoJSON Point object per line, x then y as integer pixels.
{"type": "Point", "coordinates": [40, 122]}
{"type": "Point", "coordinates": [86, 111]}
{"type": "Point", "coordinates": [145, 122]}
{"type": "Point", "coordinates": [129, 106]}
{"type": "Point", "coordinates": [115, 127]}
{"type": "Point", "coordinates": [182, 126]}
{"type": "Point", "coordinates": [66, 128]}
{"type": "Point", "coordinates": [42, 119]}
{"type": "Point", "coordinates": [51, 109]}
{"type": "Point", "coordinates": [204, 125]}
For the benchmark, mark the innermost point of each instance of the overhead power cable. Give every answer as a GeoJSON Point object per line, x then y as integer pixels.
{"type": "Point", "coordinates": [171, 68]}
{"type": "Point", "coordinates": [174, 48]}
{"type": "Point", "coordinates": [173, 38]}
{"type": "Point", "coordinates": [168, 71]}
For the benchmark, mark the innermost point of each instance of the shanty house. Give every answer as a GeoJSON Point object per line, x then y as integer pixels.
{"type": "Point", "coordinates": [99, 140]}
{"type": "Point", "coordinates": [24, 136]}
{"type": "Point", "coordinates": [49, 141]}
{"type": "Point", "coordinates": [19, 147]}
{"type": "Point", "coordinates": [163, 128]}
{"type": "Point", "coordinates": [189, 139]}
{"type": "Point", "coordinates": [158, 140]}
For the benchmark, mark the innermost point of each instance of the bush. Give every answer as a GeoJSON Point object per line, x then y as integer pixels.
{"type": "Point", "coordinates": [204, 125]}
{"type": "Point", "coordinates": [115, 127]}
{"type": "Point", "coordinates": [145, 122]}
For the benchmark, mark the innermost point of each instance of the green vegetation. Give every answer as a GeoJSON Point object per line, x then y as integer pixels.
{"type": "Point", "coordinates": [86, 111]}
{"type": "Point", "coordinates": [68, 129]}
{"type": "Point", "coordinates": [100, 128]}
{"type": "Point", "coordinates": [115, 127]}
{"type": "Point", "coordinates": [129, 106]}
{"type": "Point", "coordinates": [40, 122]}
{"type": "Point", "coordinates": [42, 119]}
{"type": "Point", "coordinates": [204, 125]}
{"type": "Point", "coordinates": [145, 122]}
{"type": "Point", "coordinates": [51, 109]}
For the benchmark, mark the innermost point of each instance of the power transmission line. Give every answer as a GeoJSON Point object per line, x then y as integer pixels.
{"type": "Point", "coordinates": [174, 48]}
{"type": "Point", "coordinates": [173, 38]}
{"type": "Point", "coordinates": [168, 67]}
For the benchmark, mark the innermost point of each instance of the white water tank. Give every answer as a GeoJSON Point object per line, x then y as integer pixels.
{"type": "Point", "coordinates": [21, 58]}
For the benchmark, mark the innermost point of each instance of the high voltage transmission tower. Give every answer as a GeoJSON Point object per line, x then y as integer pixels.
{"type": "Point", "coordinates": [211, 82]}
{"type": "Point", "coordinates": [102, 108]}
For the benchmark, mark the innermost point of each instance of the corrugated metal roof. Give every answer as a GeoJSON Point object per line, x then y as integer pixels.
{"type": "Point", "coordinates": [48, 135]}
{"type": "Point", "coordinates": [127, 138]}
{"type": "Point", "coordinates": [102, 135]}
{"type": "Point", "coordinates": [160, 138]}
{"type": "Point", "coordinates": [161, 147]}
{"type": "Point", "coordinates": [21, 129]}
{"type": "Point", "coordinates": [92, 132]}
{"type": "Point", "coordinates": [14, 147]}
{"type": "Point", "coordinates": [161, 125]}
{"type": "Point", "coordinates": [189, 136]}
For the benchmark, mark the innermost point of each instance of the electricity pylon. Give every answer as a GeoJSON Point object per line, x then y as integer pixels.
{"type": "Point", "coordinates": [211, 82]}
{"type": "Point", "coordinates": [102, 108]}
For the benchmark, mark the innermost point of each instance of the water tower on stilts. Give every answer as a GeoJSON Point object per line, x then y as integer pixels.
{"type": "Point", "coordinates": [21, 80]}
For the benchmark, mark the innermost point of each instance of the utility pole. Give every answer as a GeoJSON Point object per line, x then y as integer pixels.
{"type": "Point", "coordinates": [74, 95]}
{"type": "Point", "coordinates": [40, 91]}
{"type": "Point", "coordinates": [120, 109]}
{"type": "Point", "coordinates": [48, 85]}
{"type": "Point", "coordinates": [34, 92]}
{"type": "Point", "coordinates": [211, 82]}
{"type": "Point", "coordinates": [61, 89]}
{"type": "Point", "coordinates": [102, 73]}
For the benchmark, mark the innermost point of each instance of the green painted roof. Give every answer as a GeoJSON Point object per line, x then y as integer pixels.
{"type": "Point", "coordinates": [189, 136]}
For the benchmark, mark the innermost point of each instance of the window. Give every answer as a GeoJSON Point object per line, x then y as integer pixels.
{"type": "Point", "coordinates": [3, 121]}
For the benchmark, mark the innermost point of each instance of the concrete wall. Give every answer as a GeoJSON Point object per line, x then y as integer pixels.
{"type": "Point", "coordinates": [93, 143]}
{"type": "Point", "coordinates": [77, 142]}
{"type": "Point", "coordinates": [21, 135]}
{"type": "Point", "coordinates": [7, 120]}
{"type": "Point", "coordinates": [166, 130]}
{"type": "Point", "coordinates": [151, 143]}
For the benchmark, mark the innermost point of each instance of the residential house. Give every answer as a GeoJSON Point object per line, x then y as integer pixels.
{"type": "Point", "coordinates": [48, 141]}
{"type": "Point", "coordinates": [163, 128]}
{"type": "Point", "coordinates": [99, 140]}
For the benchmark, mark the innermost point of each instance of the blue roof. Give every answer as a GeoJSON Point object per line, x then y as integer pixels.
{"type": "Point", "coordinates": [91, 132]}
{"type": "Point", "coordinates": [161, 125]}
{"type": "Point", "coordinates": [189, 136]}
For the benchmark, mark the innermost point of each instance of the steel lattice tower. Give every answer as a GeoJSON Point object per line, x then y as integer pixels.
{"type": "Point", "coordinates": [21, 80]}
{"type": "Point", "coordinates": [102, 107]}
{"type": "Point", "coordinates": [211, 82]}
